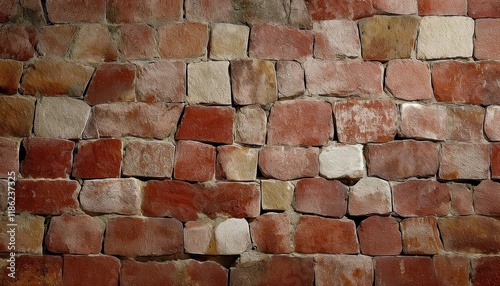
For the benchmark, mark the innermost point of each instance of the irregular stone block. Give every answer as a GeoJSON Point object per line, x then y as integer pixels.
{"type": "Point", "coordinates": [277, 195]}
{"type": "Point", "coordinates": [236, 163]}
{"type": "Point", "coordinates": [379, 236]}
{"type": "Point", "coordinates": [442, 7]}
{"type": "Point", "coordinates": [17, 114]}
{"type": "Point", "coordinates": [47, 158]}
{"type": "Point", "coordinates": [208, 82]}
{"type": "Point", "coordinates": [55, 40]}
{"type": "Point", "coordinates": [137, 41]}
{"type": "Point", "coordinates": [465, 123]}
{"type": "Point", "coordinates": [162, 81]}
{"type": "Point", "coordinates": [93, 44]}
{"type": "Point", "coordinates": [483, 9]}
{"type": "Point", "coordinates": [120, 196]}
{"type": "Point", "coordinates": [207, 123]}
{"type": "Point", "coordinates": [272, 233]}
{"type": "Point", "coordinates": [464, 161]}
{"type": "Point", "coordinates": [421, 198]}
{"type": "Point", "coordinates": [111, 83]}
{"type": "Point", "coordinates": [400, 270]}
{"type": "Point", "coordinates": [148, 159]}
{"type": "Point", "coordinates": [336, 39]}
{"type": "Point", "coordinates": [491, 126]}
{"type": "Point", "coordinates": [321, 196]}
{"type": "Point", "coordinates": [253, 82]}
{"type": "Point", "coordinates": [93, 270]}
{"type": "Point", "coordinates": [452, 270]}
{"type": "Point", "coordinates": [409, 79]}
{"type": "Point", "coordinates": [370, 196]}
{"type": "Point", "coordinates": [18, 42]}
{"type": "Point", "coordinates": [423, 121]}
{"type": "Point", "coordinates": [29, 234]}
{"type": "Point", "coordinates": [335, 9]}
{"type": "Point", "coordinates": [342, 161]}
{"type": "Point", "coordinates": [228, 41]}
{"type": "Point", "coordinates": [288, 163]}
{"type": "Point", "coordinates": [194, 161]}
{"type": "Point", "coordinates": [487, 198]}
{"type": "Point", "coordinates": [9, 155]}
{"type": "Point", "coordinates": [290, 79]}
{"type": "Point", "coordinates": [485, 46]}
{"type": "Point", "coordinates": [232, 236]}
{"type": "Point", "coordinates": [251, 125]}
{"type": "Point", "coordinates": [404, 7]}
{"type": "Point", "coordinates": [74, 11]}
{"type": "Point", "coordinates": [10, 76]}
{"type": "Point", "coordinates": [343, 270]}
{"type": "Point", "coordinates": [183, 40]}
{"type": "Point", "coordinates": [149, 11]}
{"type": "Point", "coordinates": [485, 271]}
{"type": "Point", "coordinates": [215, 11]}
{"type": "Point", "coordinates": [421, 236]}
{"type": "Point", "coordinates": [98, 159]}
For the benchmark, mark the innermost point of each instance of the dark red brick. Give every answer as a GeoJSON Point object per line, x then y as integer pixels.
{"type": "Point", "coordinates": [442, 7]}
{"type": "Point", "coordinates": [75, 234]}
{"type": "Point", "coordinates": [420, 198]}
{"type": "Point", "coordinates": [484, 9]}
{"type": "Point", "coordinates": [339, 9]}
{"type": "Point", "coordinates": [410, 270]}
{"type": "Point", "coordinates": [487, 198]}
{"type": "Point", "coordinates": [452, 270]}
{"type": "Point", "coordinates": [70, 11]}
{"type": "Point", "coordinates": [98, 159]}
{"type": "Point", "coordinates": [321, 196]}
{"type": "Point", "coordinates": [343, 270]}
{"type": "Point", "coordinates": [36, 270]}
{"type": "Point", "coordinates": [91, 270]}
{"type": "Point", "coordinates": [47, 196]}
{"type": "Point", "coordinates": [9, 155]}
{"type": "Point", "coordinates": [8, 9]}
{"type": "Point", "coordinates": [18, 42]}
{"type": "Point", "coordinates": [207, 124]}
{"type": "Point", "coordinates": [421, 236]}
{"type": "Point", "coordinates": [110, 83]}
{"type": "Point", "coordinates": [486, 271]}
{"type": "Point", "coordinates": [149, 11]}
{"type": "Point", "coordinates": [194, 161]}
{"type": "Point", "coordinates": [380, 236]}
{"type": "Point", "coordinates": [240, 200]}
{"type": "Point", "coordinates": [47, 158]}
{"type": "Point", "coordinates": [272, 233]}
{"type": "Point", "coordinates": [495, 161]}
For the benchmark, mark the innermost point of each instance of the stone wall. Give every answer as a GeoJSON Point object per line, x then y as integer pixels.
{"type": "Point", "coordinates": [250, 142]}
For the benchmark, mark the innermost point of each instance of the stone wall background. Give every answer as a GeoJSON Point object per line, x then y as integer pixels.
{"type": "Point", "coordinates": [251, 142]}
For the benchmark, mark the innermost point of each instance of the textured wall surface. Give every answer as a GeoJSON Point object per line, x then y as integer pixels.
{"type": "Point", "coordinates": [250, 142]}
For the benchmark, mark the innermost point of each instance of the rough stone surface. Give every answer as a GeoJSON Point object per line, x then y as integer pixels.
{"type": "Point", "coordinates": [75, 234]}
{"type": "Point", "coordinates": [91, 270]}
{"type": "Point", "coordinates": [370, 195]}
{"type": "Point", "coordinates": [409, 79]}
{"type": "Point", "coordinates": [136, 41]}
{"type": "Point", "coordinates": [342, 78]}
{"type": "Point", "coordinates": [397, 270]}
{"type": "Point", "coordinates": [9, 10]}
{"type": "Point", "coordinates": [47, 158]}
{"type": "Point", "coordinates": [423, 121]}
{"type": "Point", "coordinates": [291, 123]}
{"type": "Point", "coordinates": [17, 115]}
{"type": "Point", "coordinates": [335, 9]}
{"type": "Point", "coordinates": [277, 195]}
{"type": "Point", "coordinates": [148, 159]}
{"type": "Point", "coordinates": [98, 159]}
{"type": "Point", "coordinates": [336, 39]}
{"type": "Point", "coordinates": [290, 79]}
{"type": "Point", "coordinates": [150, 11]}
{"type": "Point", "coordinates": [194, 161]}
{"type": "Point", "coordinates": [464, 161]}
{"type": "Point", "coordinates": [18, 42]}
{"type": "Point", "coordinates": [421, 198]}
{"type": "Point", "coordinates": [343, 270]}
{"type": "Point", "coordinates": [76, 11]}
{"type": "Point", "coordinates": [465, 123]}
{"type": "Point", "coordinates": [485, 47]}
{"type": "Point", "coordinates": [37, 270]}
{"type": "Point", "coordinates": [210, 10]}
{"type": "Point", "coordinates": [483, 9]}
{"type": "Point", "coordinates": [93, 44]}
{"type": "Point", "coordinates": [470, 234]}
{"type": "Point", "coordinates": [342, 161]}
{"type": "Point", "coordinates": [120, 196]}
{"type": "Point", "coordinates": [110, 83]}
{"type": "Point", "coordinates": [198, 238]}
{"type": "Point", "coordinates": [495, 161]}
{"type": "Point", "coordinates": [163, 81]}
{"type": "Point", "coordinates": [379, 236]}
{"type": "Point", "coordinates": [442, 7]}
{"type": "Point", "coordinates": [253, 82]}
{"type": "Point", "coordinates": [487, 198]}
{"type": "Point", "coordinates": [183, 40]}
{"type": "Point", "coordinates": [363, 121]}
{"type": "Point", "coordinates": [10, 76]}
{"type": "Point", "coordinates": [229, 41]}
{"type": "Point", "coordinates": [321, 196]}
{"type": "Point", "coordinates": [207, 124]}
{"type": "Point", "coordinates": [421, 236]}
{"type": "Point", "coordinates": [251, 125]}
{"type": "Point", "coordinates": [396, 7]}
{"type": "Point", "coordinates": [486, 271]}
{"type": "Point", "coordinates": [208, 82]}
{"type": "Point", "coordinates": [402, 159]}
{"type": "Point", "coordinates": [461, 199]}
{"type": "Point", "coordinates": [9, 155]}
{"type": "Point", "coordinates": [55, 40]}
{"type": "Point", "coordinates": [238, 200]}
{"type": "Point", "coordinates": [272, 233]}
{"type": "Point", "coordinates": [445, 37]}
{"type": "Point", "coordinates": [452, 270]}
{"type": "Point", "coordinates": [491, 126]}
{"type": "Point", "coordinates": [261, 11]}
{"type": "Point", "coordinates": [236, 163]}
{"type": "Point", "coordinates": [288, 163]}
{"type": "Point", "coordinates": [232, 236]}
{"type": "Point", "coordinates": [29, 234]}
{"type": "Point", "coordinates": [398, 33]}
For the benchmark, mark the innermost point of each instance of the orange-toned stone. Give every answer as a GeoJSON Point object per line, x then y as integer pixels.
{"type": "Point", "coordinates": [321, 196]}
{"type": "Point", "coordinates": [323, 235]}
{"type": "Point", "coordinates": [465, 123]}
{"type": "Point", "coordinates": [291, 123]}
{"type": "Point", "coordinates": [55, 40]}
{"type": "Point", "coordinates": [207, 124]}
{"type": "Point", "coordinates": [110, 83]}
{"type": "Point", "coordinates": [484, 9]}
{"type": "Point", "coordinates": [339, 9]}
{"type": "Point", "coordinates": [452, 270]}
{"type": "Point", "coordinates": [149, 11]}
{"type": "Point", "coordinates": [343, 270]}
{"type": "Point", "coordinates": [487, 198]}
{"type": "Point", "coordinates": [236, 163]}
{"type": "Point", "coordinates": [98, 159]}
{"type": "Point", "coordinates": [133, 236]}
{"type": "Point", "coordinates": [280, 43]}
{"type": "Point", "coordinates": [420, 198]}
{"type": "Point", "coordinates": [93, 44]}
{"type": "Point", "coordinates": [379, 236]}
{"type": "Point", "coordinates": [461, 199]}
{"type": "Point", "coordinates": [10, 76]}
{"type": "Point", "coordinates": [80, 234]}
{"type": "Point", "coordinates": [238, 200]}
{"type": "Point", "coordinates": [47, 158]}
{"type": "Point", "coordinates": [442, 7]}
{"type": "Point", "coordinates": [408, 79]}
{"type": "Point", "coordinates": [384, 38]}
{"type": "Point", "coordinates": [217, 11]}
{"type": "Point", "coordinates": [9, 155]}
{"type": "Point", "coordinates": [72, 11]}
{"type": "Point", "coordinates": [36, 270]}
{"type": "Point", "coordinates": [91, 270]}
{"type": "Point", "coordinates": [495, 161]}
{"type": "Point", "coordinates": [470, 234]}
{"type": "Point", "coordinates": [421, 236]}
{"type": "Point", "coordinates": [163, 81]}
{"type": "Point", "coordinates": [18, 42]}
{"type": "Point", "coordinates": [423, 121]}
{"type": "Point", "coordinates": [29, 234]}
{"type": "Point", "coordinates": [464, 161]}
{"type": "Point", "coordinates": [47, 196]}
{"type": "Point", "coordinates": [290, 78]}
{"type": "Point", "coordinates": [400, 270]}
{"type": "Point", "coordinates": [491, 126]}
{"type": "Point", "coordinates": [194, 161]}
{"type": "Point", "coordinates": [183, 40]}
{"type": "Point", "coordinates": [272, 233]}
{"type": "Point", "coordinates": [137, 41]}
{"type": "Point", "coordinates": [16, 114]}
{"type": "Point", "coordinates": [288, 163]}
{"type": "Point", "coordinates": [485, 47]}
{"type": "Point", "coordinates": [120, 196]}
{"type": "Point", "coordinates": [466, 82]}
{"type": "Point", "coordinates": [56, 77]}
{"type": "Point", "coordinates": [136, 119]}
{"type": "Point", "coordinates": [402, 159]}
{"type": "Point", "coordinates": [486, 271]}
{"type": "Point", "coordinates": [253, 82]}
{"type": "Point", "coordinates": [363, 121]}
{"type": "Point", "coordinates": [148, 159]}
{"type": "Point", "coordinates": [336, 39]}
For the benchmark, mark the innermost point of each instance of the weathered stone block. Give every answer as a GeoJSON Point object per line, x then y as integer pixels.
{"type": "Point", "coordinates": [10, 76]}
{"type": "Point", "coordinates": [91, 270]}
{"type": "Point", "coordinates": [120, 196]}
{"type": "Point", "coordinates": [272, 233]}
{"type": "Point", "coordinates": [55, 40]}
{"type": "Point", "coordinates": [251, 125]}
{"type": "Point", "coordinates": [137, 42]}
{"type": "Point", "coordinates": [464, 161]}
{"type": "Point", "coordinates": [409, 79]}
{"type": "Point", "coordinates": [236, 163]}
{"type": "Point", "coordinates": [379, 236]}
{"type": "Point", "coordinates": [149, 11]}
{"type": "Point", "coordinates": [421, 198]}
{"type": "Point", "coordinates": [194, 161]}
{"type": "Point", "coordinates": [232, 236]}
{"type": "Point", "coordinates": [148, 159]}
{"type": "Point", "coordinates": [208, 82]}
{"type": "Point", "coordinates": [47, 158]}
{"type": "Point", "coordinates": [79, 234]}
{"type": "Point", "coordinates": [93, 44]}
{"type": "Point", "coordinates": [98, 159]}
{"type": "Point", "coordinates": [163, 81]}
{"type": "Point", "coordinates": [183, 40]}
{"type": "Point", "coordinates": [485, 46]}
{"type": "Point", "coordinates": [76, 11]}
{"type": "Point", "coordinates": [207, 123]}
{"type": "Point", "coordinates": [321, 196]}
{"type": "Point", "coordinates": [228, 41]}
{"type": "Point", "coordinates": [423, 121]}
{"type": "Point", "coordinates": [421, 236]}
{"type": "Point", "coordinates": [253, 82]}
{"type": "Point", "coordinates": [370, 196]}
{"type": "Point", "coordinates": [290, 79]}
{"type": "Point", "coordinates": [343, 270]}
{"type": "Point", "coordinates": [491, 126]}
{"type": "Point", "coordinates": [17, 114]}
{"type": "Point", "coordinates": [288, 163]}
{"type": "Point", "coordinates": [336, 39]}
{"type": "Point", "coordinates": [342, 161]}
{"type": "Point", "coordinates": [277, 195]}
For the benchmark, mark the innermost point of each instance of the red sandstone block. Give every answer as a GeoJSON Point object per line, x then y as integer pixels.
{"type": "Point", "coordinates": [379, 236]}
{"type": "Point", "coordinates": [404, 7]}
{"type": "Point", "coordinates": [98, 159]}
{"type": "Point", "coordinates": [362, 121]}
{"type": "Point", "coordinates": [461, 199]}
{"type": "Point", "coordinates": [47, 158]}
{"type": "Point", "coordinates": [208, 273]}
{"type": "Point", "coordinates": [8, 9]}
{"type": "Point", "coordinates": [194, 161]}
{"type": "Point", "coordinates": [55, 40]}
{"type": "Point", "coordinates": [131, 236]}
{"type": "Point", "coordinates": [402, 159]}
{"type": "Point", "coordinates": [148, 159]}
{"type": "Point", "coordinates": [470, 234]}
{"type": "Point", "coordinates": [18, 42]}
{"type": "Point", "coordinates": [110, 83]}
{"type": "Point", "coordinates": [69, 11]}
{"type": "Point", "coordinates": [410, 270]}
{"type": "Point", "coordinates": [280, 43]}
{"type": "Point", "coordinates": [465, 123]}
{"type": "Point", "coordinates": [239, 200]}
{"type": "Point", "coordinates": [47, 196]}
{"type": "Point", "coordinates": [421, 236]}
{"type": "Point", "coordinates": [484, 8]}
{"type": "Point", "coordinates": [183, 40]}
{"type": "Point", "coordinates": [290, 77]}
{"type": "Point", "coordinates": [273, 270]}
{"type": "Point", "coordinates": [236, 163]}
{"type": "Point", "coordinates": [121, 196]}
{"type": "Point", "coordinates": [343, 78]}
{"type": "Point", "coordinates": [485, 46]}
{"type": "Point", "coordinates": [423, 121]}
{"type": "Point", "coordinates": [487, 198]}
{"type": "Point", "coordinates": [94, 44]}
{"type": "Point", "coordinates": [339, 9]}
{"type": "Point", "coordinates": [288, 163]}
{"type": "Point", "coordinates": [343, 270]}
{"type": "Point", "coordinates": [420, 198]}
{"type": "Point", "coordinates": [409, 79]}
{"type": "Point", "coordinates": [452, 270]}
{"type": "Point", "coordinates": [10, 76]}
{"type": "Point", "coordinates": [491, 126]}
{"type": "Point", "coordinates": [321, 196]}
{"type": "Point", "coordinates": [17, 115]}
{"type": "Point", "coordinates": [464, 161]}
{"type": "Point", "coordinates": [495, 161]}
{"type": "Point", "coordinates": [79, 234]}
{"type": "Point", "coordinates": [486, 271]}
{"type": "Point", "coordinates": [136, 41]}
{"type": "Point", "coordinates": [207, 123]}
{"type": "Point", "coordinates": [336, 39]}
{"type": "Point", "coordinates": [217, 11]}
{"type": "Point", "coordinates": [272, 233]}
{"type": "Point", "coordinates": [91, 270]}
{"type": "Point", "coordinates": [162, 81]}
{"type": "Point", "coordinates": [291, 123]}
{"type": "Point", "coordinates": [253, 82]}
{"type": "Point", "coordinates": [149, 11]}
{"type": "Point", "coordinates": [136, 119]}
{"type": "Point", "coordinates": [36, 270]}
{"type": "Point", "coordinates": [473, 82]}
{"type": "Point", "coordinates": [323, 235]}
{"type": "Point", "coordinates": [9, 156]}
{"type": "Point", "coordinates": [199, 238]}
{"type": "Point", "coordinates": [442, 7]}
